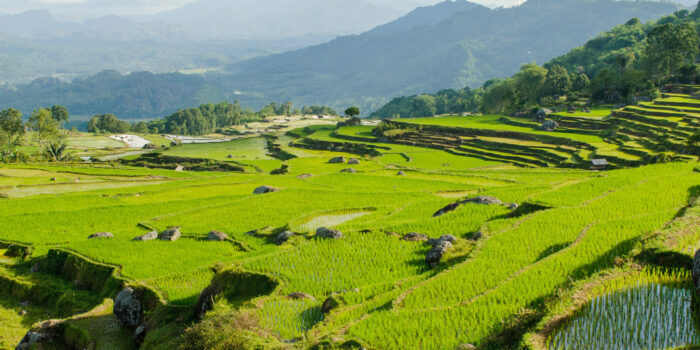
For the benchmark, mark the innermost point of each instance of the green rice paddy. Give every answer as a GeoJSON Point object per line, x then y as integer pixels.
{"type": "Point", "coordinates": [573, 225]}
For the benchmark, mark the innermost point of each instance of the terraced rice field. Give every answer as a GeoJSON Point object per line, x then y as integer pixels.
{"type": "Point", "coordinates": [506, 270]}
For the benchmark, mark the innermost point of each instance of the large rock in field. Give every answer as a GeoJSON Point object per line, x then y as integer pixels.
{"type": "Point", "coordinates": [354, 161]}
{"type": "Point", "coordinates": [300, 296]}
{"type": "Point", "coordinates": [324, 232]}
{"type": "Point", "coordinates": [265, 189]}
{"type": "Point", "coordinates": [217, 236]}
{"type": "Point", "coordinates": [147, 237]}
{"type": "Point", "coordinates": [330, 304]}
{"type": "Point", "coordinates": [283, 237]}
{"type": "Point", "coordinates": [337, 160]}
{"type": "Point", "coordinates": [101, 235]}
{"type": "Point", "coordinates": [484, 200]}
{"type": "Point", "coordinates": [414, 237]}
{"type": "Point", "coordinates": [435, 255]}
{"type": "Point", "coordinates": [172, 234]}
{"type": "Point", "coordinates": [549, 125]}
{"type": "Point", "coordinates": [446, 238]}
{"type": "Point", "coordinates": [349, 170]}
{"type": "Point", "coordinates": [128, 308]}
{"type": "Point", "coordinates": [31, 340]}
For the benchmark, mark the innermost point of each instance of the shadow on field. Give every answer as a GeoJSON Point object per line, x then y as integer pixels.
{"type": "Point", "coordinates": [661, 258]}
{"type": "Point", "coordinates": [693, 194]}
{"type": "Point", "coordinates": [514, 328]}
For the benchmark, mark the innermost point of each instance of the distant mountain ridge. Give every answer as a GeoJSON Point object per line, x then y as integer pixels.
{"type": "Point", "coordinates": [208, 34]}
{"type": "Point", "coordinates": [265, 19]}
{"type": "Point", "coordinates": [471, 45]}
{"type": "Point", "coordinates": [450, 45]}
{"type": "Point", "coordinates": [426, 16]}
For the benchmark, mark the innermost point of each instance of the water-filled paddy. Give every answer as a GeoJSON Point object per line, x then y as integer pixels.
{"type": "Point", "coordinates": [645, 317]}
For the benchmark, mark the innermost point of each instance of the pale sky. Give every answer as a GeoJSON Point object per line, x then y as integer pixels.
{"type": "Point", "coordinates": [143, 7]}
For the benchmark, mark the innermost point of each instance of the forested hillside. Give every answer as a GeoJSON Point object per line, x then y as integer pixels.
{"type": "Point", "coordinates": [137, 95]}
{"type": "Point", "coordinates": [621, 66]}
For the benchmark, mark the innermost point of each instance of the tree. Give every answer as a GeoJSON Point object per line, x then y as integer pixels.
{"type": "Point", "coordinates": [11, 131]}
{"type": "Point", "coordinates": [48, 133]}
{"type": "Point", "coordinates": [528, 84]}
{"type": "Point", "coordinates": [424, 106]}
{"type": "Point", "coordinates": [60, 114]}
{"type": "Point", "coordinates": [696, 14]}
{"type": "Point", "coordinates": [352, 111]}
{"type": "Point", "coordinates": [140, 127]}
{"type": "Point", "coordinates": [558, 81]}
{"type": "Point", "coordinates": [499, 97]}
{"type": "Point", "coordinates": [670, 46]}
{"type": "Point", "coordinates": [581, 82]}
{"type": "Point", "coordinates": [108, 123]}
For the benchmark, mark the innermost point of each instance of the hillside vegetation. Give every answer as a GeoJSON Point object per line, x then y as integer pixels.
{"type": "Point", "coordinates": [511, 230]}
{"type": "Point", "coordinates": [624, 65]}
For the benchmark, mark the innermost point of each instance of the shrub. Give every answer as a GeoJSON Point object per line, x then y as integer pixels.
{"type": "Point", "coordinates": [232, 331]}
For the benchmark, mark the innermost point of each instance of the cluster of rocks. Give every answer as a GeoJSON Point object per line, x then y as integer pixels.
{"type": "Point", "coordinates": [349, 171]}
{"type": "Point", "coordinates": [549, 125]}
{"type": "Point", "coordinates": [324, 232]}
{"type": "Point", "coordinates": [481, 200]}
{"type": "Point", "coordinates": [265, 190]}
{"type": "Point", "coordinates": [342, 160]}
{"type": "Point", "coordinates": [440, 246]}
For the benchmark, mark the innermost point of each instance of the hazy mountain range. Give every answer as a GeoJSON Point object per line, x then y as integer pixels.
{"type": "Point", "coordinates": [449, 45]}
{"type": "Point", "coordinates": [205, 34]}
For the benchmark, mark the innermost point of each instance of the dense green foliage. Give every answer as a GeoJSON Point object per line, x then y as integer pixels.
{"type": "Point", "coordinates": [202, 120]}
{"type": "Point", "coordinates": [630, 61]}
{"type": "Point", "coordinates": [107, 123]}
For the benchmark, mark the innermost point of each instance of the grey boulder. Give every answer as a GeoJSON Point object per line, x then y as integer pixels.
{"type": "Point", "coordinates": [265, 189]}
{"type": "Point", "coordinates": [324, 232]}
{"type": "Point", "coordinates": [217, 236]}
{"type": "Point", "coordinates": [101, 235]}
{"type": "Point", "coordinates": [283, 237]}
{"type": "Point", "coordinates": [414, 237]}
{"type": "Point", "coordinates": [171, 234]}
{"type": "Point", "coordinates": [128, 308]}
{"type": "Point", "coordinates": [435, 254]}
{"type": "Point", "coordinates": [147, 237]}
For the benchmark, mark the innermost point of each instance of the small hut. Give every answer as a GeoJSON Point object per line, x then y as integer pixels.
{"type": "Point", "coordinates": [599, 164]}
